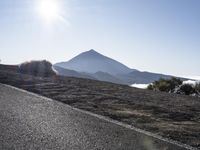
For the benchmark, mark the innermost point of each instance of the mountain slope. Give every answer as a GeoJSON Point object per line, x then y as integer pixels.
{"type": "Point", "coordinates": [141, 77]}
{"type": "Point", "coordinates": [71, 73]}
{"type": "Point", "coordinates": [92, 62]}
{"type": "Point", "coordinates": [103, 76]}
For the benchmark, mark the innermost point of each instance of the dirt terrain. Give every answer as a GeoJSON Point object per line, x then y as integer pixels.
{"type": "Point", "coordinates": [169, 115]}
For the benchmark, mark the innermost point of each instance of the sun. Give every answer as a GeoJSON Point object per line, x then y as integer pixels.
{"type": "Point", "coordinates": [49, 9]}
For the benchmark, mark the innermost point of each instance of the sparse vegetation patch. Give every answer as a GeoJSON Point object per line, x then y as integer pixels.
{"type": "Point", "coordinates": [175, 85]}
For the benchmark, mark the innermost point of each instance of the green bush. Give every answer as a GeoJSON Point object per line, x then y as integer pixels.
{"type": "Point", "coordinates": [165, 85]}
{"type": "Point", "coordinates": [197, 87]}
{"type": "Point", "coordinates": [187, 89]}
{"type": "Point", "coordinates": [37, 68]}
{"type": "Point", "coordinates": [150, 87]}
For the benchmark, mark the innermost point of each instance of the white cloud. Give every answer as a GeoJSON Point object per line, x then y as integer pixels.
{"type": "Point", "coordinates": [193, 77]}
{"type": "Point", "coordinates": [140, 86]}
{"type": "Point", "coordinates": [191, 82]}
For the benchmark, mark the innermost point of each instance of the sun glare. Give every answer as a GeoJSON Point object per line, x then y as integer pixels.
{"type": "Point", "coordinates": [49, 9]}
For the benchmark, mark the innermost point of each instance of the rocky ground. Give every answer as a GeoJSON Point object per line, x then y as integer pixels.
{"type": "Point", "coordinates": [169, 115]}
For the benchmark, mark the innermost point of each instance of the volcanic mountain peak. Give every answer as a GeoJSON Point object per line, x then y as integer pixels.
{"type": "Point", "coordinates": [91, 62]}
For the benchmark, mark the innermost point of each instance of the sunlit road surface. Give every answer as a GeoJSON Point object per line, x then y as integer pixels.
{"type": "Point", "coordinates": [28, 121]}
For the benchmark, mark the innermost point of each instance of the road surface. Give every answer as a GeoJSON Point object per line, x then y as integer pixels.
{"type": "Point", "coordinates": [28, 121]}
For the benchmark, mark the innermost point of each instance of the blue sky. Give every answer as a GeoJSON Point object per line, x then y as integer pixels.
{"type": "Point", "coordinates": [152, 35]}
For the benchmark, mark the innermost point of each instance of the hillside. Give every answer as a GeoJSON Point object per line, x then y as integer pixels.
{"type": "Point", "coordinates": [169, 115]}
{"type": "Point", "coordinates": [72, 73]}
{"type": "Point", "coordinates": [103, 76]}
{"type": "Point", "coordinates": [141, 77]}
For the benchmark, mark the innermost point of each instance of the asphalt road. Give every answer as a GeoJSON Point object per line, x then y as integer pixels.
{"type": "Point", "coordinates": [28, 121]}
